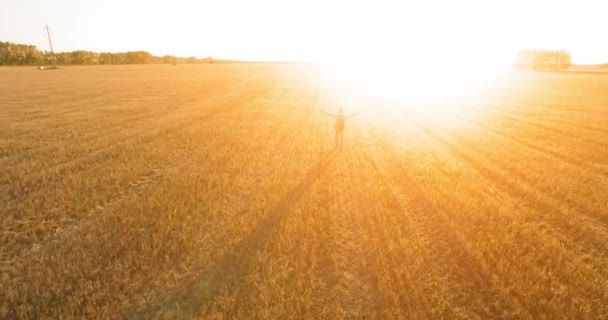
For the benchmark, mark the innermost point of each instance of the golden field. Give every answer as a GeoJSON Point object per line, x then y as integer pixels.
{"type": "Point", "coordinates": [215, 192]}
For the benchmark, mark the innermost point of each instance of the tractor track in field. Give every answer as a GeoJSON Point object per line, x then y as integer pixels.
{"type": "Point", "coordinates": [550, 207]}
{"type": "Point", "coordinates": [135, 186]}
{"type": "Point", "coordinates": [63, 120]}
{"type": "Point", "coordinates": [437, 236]}
{"type": "Point", "coordinates": [376, 223]}
{"type": "Point", "coordinates": [535, 124]}
{"type": "Point", "coordinates": [185, 106]}
{"type": "Point", "coordinates": [581, 126]}
{"type": "Point", "coordinates": [541, 149]}
{"type": "Point", "coordinates": [452, 145]}
{"type": "Point", "coordinates": [180, 122]}
{"type": "Point", "coordinates": [594, 169]}
{"type": "Point", "coordinates": [530, 192]}
{"type": "Point", "coordinates": [359, 286]}
{"type": "Point", "coordinates": [93, 133]}
{"type": "Point", "coordinates": [523, 104]}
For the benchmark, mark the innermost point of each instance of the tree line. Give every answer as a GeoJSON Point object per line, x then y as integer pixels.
{"type": "Point", "coordinates": [536, 59]}
{"type": "Point", "coordinates": [13, 54]}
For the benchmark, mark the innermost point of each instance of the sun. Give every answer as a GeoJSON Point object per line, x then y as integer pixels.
{"type": "Point", "coordinates": [425, 90]}
{"type": "Point", "coordinates": [421, 79]}
{"type": "Point", "coordinates": [433, 93]}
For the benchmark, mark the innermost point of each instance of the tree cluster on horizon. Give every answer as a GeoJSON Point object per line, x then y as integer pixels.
{"type": "Point", "coordinates": [537, 59]}
{"type": "Point", "coordinates": [13, 54]}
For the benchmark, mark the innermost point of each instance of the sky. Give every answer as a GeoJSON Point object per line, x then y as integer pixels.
{"type": "Point", "coordinates": [470, 31]}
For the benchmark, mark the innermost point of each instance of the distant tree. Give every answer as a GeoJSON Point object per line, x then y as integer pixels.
{"type": "Point", "coordinates": [63, 58]}
{"type": "Point", "coordinates": [106, 58]}
{"type": "Point", "coordinates": [543, 60]}
{"type": "Point", "coordinates": [33, 56]}
{"type": "Point", "coordinates": [46, 58]}
{"type": "Point", "coordinates": [119, 58]}
{"type": "Point", "coordinates": [21, 54]}
{"type": "Point", "coordinates": [564, 59]}
{"type": "Point", "coordinates": [4, 53]}
{"type": "Point", "coordinates": [83, 57]}
{"type": "Point", "coordinates": [138, 57]}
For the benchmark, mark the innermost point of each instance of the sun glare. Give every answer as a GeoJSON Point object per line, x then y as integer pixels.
{"type": "Point", "coordinates": [406, 81]}
{"type": "Point", "coordinates": [432, 93]}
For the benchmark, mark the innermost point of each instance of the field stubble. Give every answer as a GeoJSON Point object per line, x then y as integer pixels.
{"type": "Point", "coordinates": [215, 192]}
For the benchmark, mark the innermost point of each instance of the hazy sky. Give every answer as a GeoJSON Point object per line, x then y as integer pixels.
{"type": "Point", "coordinates": [425, 30]}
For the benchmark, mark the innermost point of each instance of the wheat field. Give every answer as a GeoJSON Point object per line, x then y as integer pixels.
{"type": "Point", "coordinates": [215, 192]}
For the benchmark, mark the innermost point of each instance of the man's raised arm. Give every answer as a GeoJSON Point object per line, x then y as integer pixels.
{"type": "Point", "coordinates": [327, 113]}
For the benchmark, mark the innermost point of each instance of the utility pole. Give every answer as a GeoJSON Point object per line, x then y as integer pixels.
{"type": "Point", "coordinates": [48, 33]}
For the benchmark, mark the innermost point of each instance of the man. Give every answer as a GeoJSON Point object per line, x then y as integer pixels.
{"type": "Point", "coordinates": [340, 125]}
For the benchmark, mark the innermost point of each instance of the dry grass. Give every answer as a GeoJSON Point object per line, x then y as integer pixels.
{"type": "Point", "coordinates": [214, 192]}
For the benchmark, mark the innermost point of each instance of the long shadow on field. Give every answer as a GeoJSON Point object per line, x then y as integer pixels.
{"type": "Point", "coordinates": [445, 245]}
{"type": "Point", "coordinates": [544, 207]}
{"type": "Point", "coordinates": [190, 297]}
{"type": "Point", "coordinates": [534, 146]}
{"type": "Point", "coordinates": [509, 182]}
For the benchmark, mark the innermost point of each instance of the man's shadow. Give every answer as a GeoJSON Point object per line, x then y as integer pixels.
{"type": "Point", "coordinates": [190, 297]}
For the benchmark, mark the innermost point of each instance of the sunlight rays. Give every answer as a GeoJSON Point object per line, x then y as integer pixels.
{"type": "Point", "coordinates": [391, 92]}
